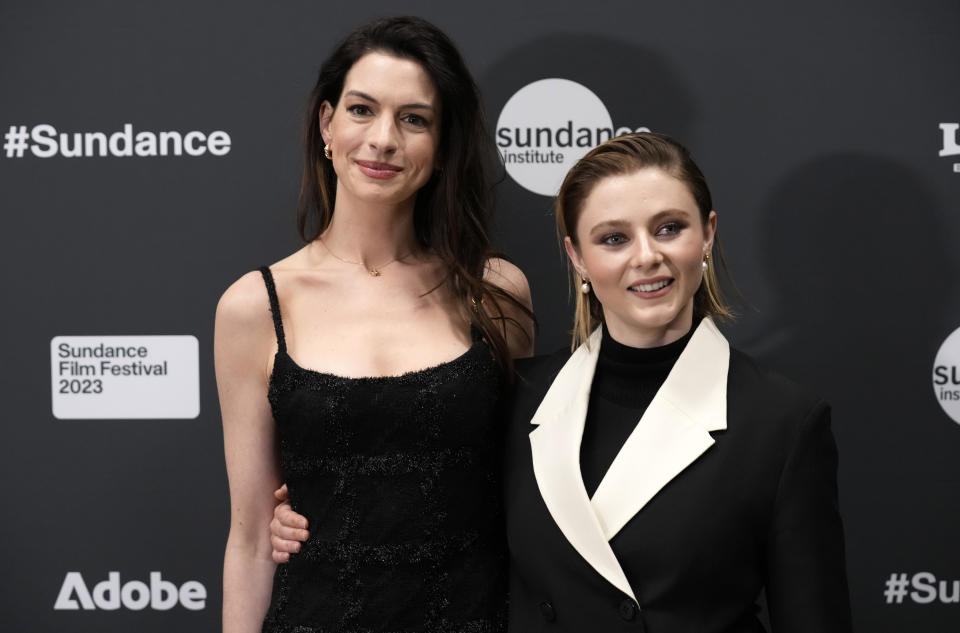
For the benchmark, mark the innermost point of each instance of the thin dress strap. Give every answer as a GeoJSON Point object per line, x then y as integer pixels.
{"type": "Point", "coordinates": [274, 307]}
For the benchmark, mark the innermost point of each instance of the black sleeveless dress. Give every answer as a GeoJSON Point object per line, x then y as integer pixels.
{"type": "Point", "coordinates": [399, 479]}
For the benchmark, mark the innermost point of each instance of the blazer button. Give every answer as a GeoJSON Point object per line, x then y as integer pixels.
{"type": "Point", "coordinates": [546, 610]}
{"type": "Point", "coordinates": [628, 610]}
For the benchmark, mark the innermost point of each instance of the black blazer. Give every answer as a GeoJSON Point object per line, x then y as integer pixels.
{"type": "Point", "coordinates": [726, 487]}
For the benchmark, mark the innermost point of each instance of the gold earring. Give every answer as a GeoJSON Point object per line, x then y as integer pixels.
{"type": "Point", "coordinates": [327, 152]}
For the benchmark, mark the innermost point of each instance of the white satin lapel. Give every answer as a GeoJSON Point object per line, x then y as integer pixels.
{"type": "Point", "coordinates": [555, 451]}
{"type": "Point", "coordinates": [673, 432]}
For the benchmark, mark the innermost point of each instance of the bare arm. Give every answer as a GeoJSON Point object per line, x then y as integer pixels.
{"type": "Point", "coordinates": [243, 342]}
{"type": "Point", "coordinates": [518, 326]}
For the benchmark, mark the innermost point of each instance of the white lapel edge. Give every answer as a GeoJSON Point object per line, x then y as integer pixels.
{"type": "Point", "coordinates": [555, 455]}
{"type": "Point", "coordinates": [672, 433]}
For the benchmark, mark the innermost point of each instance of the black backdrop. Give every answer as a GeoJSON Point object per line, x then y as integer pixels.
{"type": "Point", "coordinates": [828, 134]}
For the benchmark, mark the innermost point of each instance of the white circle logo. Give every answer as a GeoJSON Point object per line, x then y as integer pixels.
{"type": "Point", "coordinates": [547, 126]}
{"type": "Point", "coordinates": [946, 376]}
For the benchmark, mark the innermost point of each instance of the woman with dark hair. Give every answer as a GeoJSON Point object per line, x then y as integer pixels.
{"type": "Point", "coordinates": [364, 370]}
{"type": "Point", "coordinates": [657, 480]}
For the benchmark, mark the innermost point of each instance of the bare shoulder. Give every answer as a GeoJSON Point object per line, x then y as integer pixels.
{"type": "Point", "coordinates": [245, 303]}
{"type": "Point", "coordinates": [517, 321]}
{"type": "Point", "coordinates": [244, 338]}
{"type": "Point", "coordinates": [508, 277]}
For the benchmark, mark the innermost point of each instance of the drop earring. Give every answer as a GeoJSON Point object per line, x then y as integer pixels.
{"type": "Point", "coordinates": [704, 265]}
{"type": "Point", "coordinates": [584, 286]}
{"type": "Point", "coordinates": [327, 152]}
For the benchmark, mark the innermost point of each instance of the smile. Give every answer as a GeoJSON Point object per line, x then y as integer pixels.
{"type": "Point", "coordinates": [378, 170]}
{"type": "Point", "coordinates": [651, 287]}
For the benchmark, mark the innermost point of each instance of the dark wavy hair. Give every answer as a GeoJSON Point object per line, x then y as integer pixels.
{"type": "Point", "coordinates": [451, 211]}
{"type": "Point", "coordinates": [624, 155]}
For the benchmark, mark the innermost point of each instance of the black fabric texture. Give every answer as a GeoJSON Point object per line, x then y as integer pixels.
{"type": "Point", "coordinates": [399, 478]}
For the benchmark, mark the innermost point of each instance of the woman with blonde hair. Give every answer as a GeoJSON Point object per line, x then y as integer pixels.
{"type": "Point", "coordinates": [656, 478]}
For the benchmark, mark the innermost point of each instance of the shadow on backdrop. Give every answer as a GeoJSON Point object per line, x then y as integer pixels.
{"type": "Point", "coordinates": [865, 290]}
{"type": "Point", "coordinates": [860, 271]}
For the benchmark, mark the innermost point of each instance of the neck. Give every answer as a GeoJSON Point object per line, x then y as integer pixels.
{"type": "Point", "coordinates": [370, 234]}
{"type": "Point", "coordinates": [654, 336]}
{"type": "Point", "coordinates": [631, 376]}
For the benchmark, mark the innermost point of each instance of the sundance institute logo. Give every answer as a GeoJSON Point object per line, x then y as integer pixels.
{"type": "Point", "coordinates": [946, 376]}
{"type": "Point", "coordinates": [547, 126]}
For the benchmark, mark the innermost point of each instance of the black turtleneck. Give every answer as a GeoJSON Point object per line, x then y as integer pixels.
{"type": "Point", "coordinates": [626, 380]}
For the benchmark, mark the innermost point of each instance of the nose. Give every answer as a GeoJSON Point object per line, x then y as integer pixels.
{"type": "Point", "coordinates": [383, 135]}
{"type": "Point", "coordinates": [645, 253]}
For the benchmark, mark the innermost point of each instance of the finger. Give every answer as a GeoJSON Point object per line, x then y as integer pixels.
{"type": "Point", "coordinates": [280, 545]}
{"type": "Point", "coordinates": [286, 532]}
{"type": "Point", "coordinates": [280, 557]}
{"type": "Point", "coordinates": [282, 493]}
{"type": "Point", "coordinates": [287, 517]}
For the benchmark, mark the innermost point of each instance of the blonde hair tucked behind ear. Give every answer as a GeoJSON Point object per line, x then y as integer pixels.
{"type": "Point", "coordinates": [624, 155]}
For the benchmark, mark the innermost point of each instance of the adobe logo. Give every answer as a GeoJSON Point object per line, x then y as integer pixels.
{"type": "Point", "coordinates": [135, 595]}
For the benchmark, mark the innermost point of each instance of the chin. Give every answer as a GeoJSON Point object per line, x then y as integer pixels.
{"type": "Point", "coordinates": [657, 317]}
{"type": "Point", "coordinates": [376, 194]}
{"type": "Point", "coordinates": [659, 324]}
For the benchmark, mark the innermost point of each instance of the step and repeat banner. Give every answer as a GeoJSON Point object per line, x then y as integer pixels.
{"type": "Point", "coordinates": [151, 156]}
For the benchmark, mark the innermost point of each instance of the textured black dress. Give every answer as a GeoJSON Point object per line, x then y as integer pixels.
{"type": "Point", "coordinates": [399, 479]}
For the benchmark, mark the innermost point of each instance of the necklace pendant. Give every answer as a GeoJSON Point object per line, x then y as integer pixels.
{"type": "Point", "coordinates": [374, 272]}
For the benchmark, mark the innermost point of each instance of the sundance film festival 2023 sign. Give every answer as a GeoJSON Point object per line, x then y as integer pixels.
{"type": "Point", "coordinates": [125, 377]}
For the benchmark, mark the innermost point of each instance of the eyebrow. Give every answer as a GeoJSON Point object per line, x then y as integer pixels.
{"type": "Point", "coordinates": [621, 224]}
{"type": "Point", "coordinates": [608, 224]}
{"type": "Point", "coordinates": [405, 106]}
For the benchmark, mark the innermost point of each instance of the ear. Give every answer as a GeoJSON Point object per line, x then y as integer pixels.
{"type": "Point", "coordinates": [326, 116]}
{"type": "Point", "coordinates": [709, 231]}
{"type": "Point", "coordinates": [574, 257]}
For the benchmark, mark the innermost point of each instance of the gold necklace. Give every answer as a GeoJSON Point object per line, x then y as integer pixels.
{"type": "Point", "coordinates": [373, 271]}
